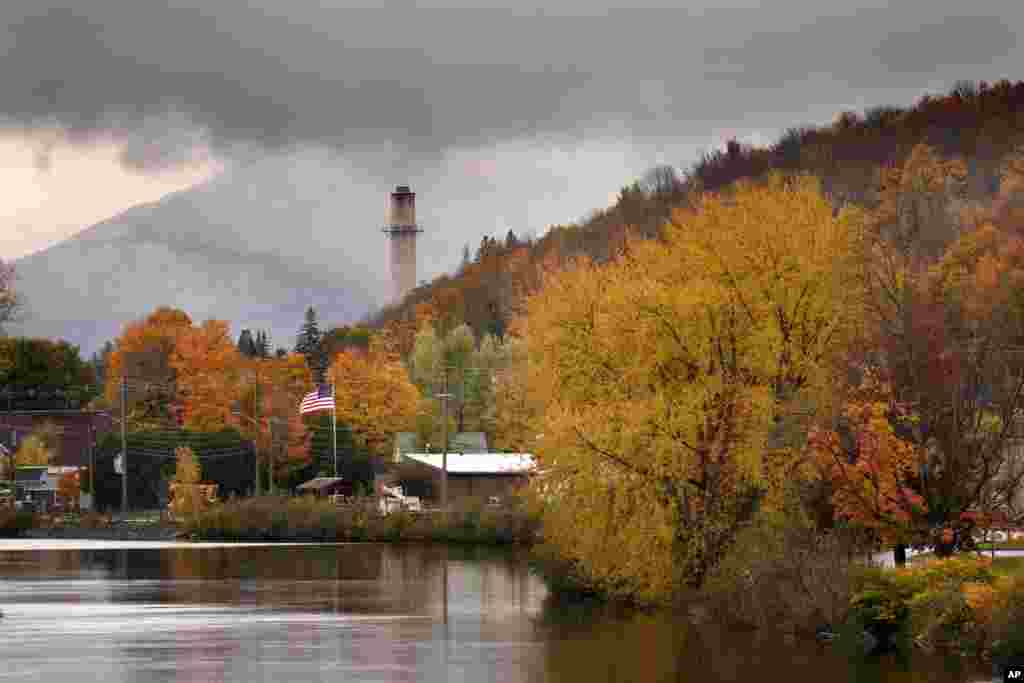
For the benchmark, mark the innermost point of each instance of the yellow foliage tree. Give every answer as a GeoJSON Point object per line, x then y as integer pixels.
{"type": "Point", "coordinates": [659, 377]}
{"type": "Point", "coordinates": [38, 448]}
{"type": "Point", "coordinates": [187, 496]}
{"type": "Point", "coordinates": [515, 413]}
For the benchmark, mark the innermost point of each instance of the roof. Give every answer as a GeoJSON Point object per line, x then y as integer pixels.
{"type": "Point", "coordinates": [468, 442]}
{"type": "Point", "coordinates": [31, 474]}
{"type": "Point", "coordinates": [405, 442]}
{"type": "Point", "coordinates": [461, 442]}
{"type": "Point", "coordinates": [479, 463]}
{"type": "Point", "coordinates": [320, 483]}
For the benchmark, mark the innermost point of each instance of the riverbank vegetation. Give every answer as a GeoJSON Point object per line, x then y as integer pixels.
{"type": "Point", "coordinates": [278, 518]}
{"type": "Point", "coordinates": [14, 523]}
{"type": "Point", "coordinates": [967, 605]}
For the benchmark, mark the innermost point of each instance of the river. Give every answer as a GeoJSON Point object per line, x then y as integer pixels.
{"type": "Point", "coordinates": [117, 612]}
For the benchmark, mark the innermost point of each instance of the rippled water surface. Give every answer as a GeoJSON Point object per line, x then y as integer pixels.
{"type": "Point", "coordinates": [83, 611]}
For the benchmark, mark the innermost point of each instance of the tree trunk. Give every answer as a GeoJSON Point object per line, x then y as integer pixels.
{"type": "Point", "coordinates": [899, 554]}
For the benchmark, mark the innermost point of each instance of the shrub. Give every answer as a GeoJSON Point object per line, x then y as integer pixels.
{"type": "Point", "coordinates": [952, 604]}
{"type": "Point", "coordinates": [1006, 628]}
{"type": "Point", "coordinates": [15, 522]}
{"type": "Point", "coordinates": [564, 578]}
{"type": "Point", "coordinates": [785, 572]}
{"type": "Point", "coordinates": [310, 519]}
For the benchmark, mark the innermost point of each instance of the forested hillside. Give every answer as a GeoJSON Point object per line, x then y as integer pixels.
{"type": "Point", "coordinates": [980, 124]}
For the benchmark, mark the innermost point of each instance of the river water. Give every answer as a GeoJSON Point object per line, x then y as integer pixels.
{"type": "Point", "coordinates": [83, 611]}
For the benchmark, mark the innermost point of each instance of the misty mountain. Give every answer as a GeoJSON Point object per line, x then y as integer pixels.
{"type": "Point", "coordinates": [263, 240]}
{"type": "Point", "coordinates": [254, 246]}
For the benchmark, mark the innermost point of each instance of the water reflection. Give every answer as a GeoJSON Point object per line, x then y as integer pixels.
{"type": "Point", "coordinates": [360, 613]}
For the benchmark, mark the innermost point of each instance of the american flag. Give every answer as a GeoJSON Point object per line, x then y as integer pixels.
{"type": "Point", "coordinates": [320, 399]}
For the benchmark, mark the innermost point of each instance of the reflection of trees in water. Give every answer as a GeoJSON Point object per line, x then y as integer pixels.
{"type": "Point", "coordinates": [590, 642]}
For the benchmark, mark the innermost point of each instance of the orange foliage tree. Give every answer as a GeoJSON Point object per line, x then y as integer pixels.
{"type": "Point", "coordinates": [874, 473]}
{"type": "Point", "coordinates": [143, 354]}
{"type": "Point", "coordinates": [207, 364]}
{"type": "Point", "coordinates": [270, 391]}
{"type": "Point", "coordinates": [69, 488]}
{"type": "Point", "coordinates": [946, 340]}
{"type": "Point", "coordinates": [374, 396]}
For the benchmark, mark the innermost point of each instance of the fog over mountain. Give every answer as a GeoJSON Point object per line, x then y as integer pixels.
{"type": "Point", "coordinates": [263, 240]}
{"type": "Point", "coordinates": [254, 246]}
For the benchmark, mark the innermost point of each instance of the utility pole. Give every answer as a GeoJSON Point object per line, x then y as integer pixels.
{"type": "Point", "coordinates": [124, 446]}
{"type": "Point", "coordinates": [92, 466]}
{"type": "Point", "coordinates": [444, 454]}
{"type": "Point", "coordinates": [256, 441]}
{"type": "Point", "coordinates": [274, 439]}
{"type": "Point", "coordinates": [334, 429]}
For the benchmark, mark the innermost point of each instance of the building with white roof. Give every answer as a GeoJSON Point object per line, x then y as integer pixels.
{"type": "Point", "coordinates": [492, 477]}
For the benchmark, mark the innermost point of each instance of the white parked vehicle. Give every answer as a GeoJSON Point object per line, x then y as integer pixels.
{"type": "Point", "coordinates": [393, 499]}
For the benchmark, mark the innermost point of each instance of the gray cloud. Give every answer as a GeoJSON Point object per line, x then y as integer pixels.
{"type": "Point", "coordinates": [427, 79]}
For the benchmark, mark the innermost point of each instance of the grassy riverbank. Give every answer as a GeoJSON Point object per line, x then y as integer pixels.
{"type": "Point", "coordinates": [272, 518]}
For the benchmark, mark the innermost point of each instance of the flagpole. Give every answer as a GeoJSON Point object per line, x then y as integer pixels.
{"type": "Point", "coordinates": [334, 430]}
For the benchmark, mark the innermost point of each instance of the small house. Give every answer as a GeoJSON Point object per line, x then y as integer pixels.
{"type": "Point", "coordinates": [483, 476]}
{"type": "Point", "coordinates": [35, 484]}
{"type": "Point", "coordinates": [324, 487]}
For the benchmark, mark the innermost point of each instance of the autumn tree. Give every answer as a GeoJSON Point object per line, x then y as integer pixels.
{"type": "Point", "coordinates": [69, 489]}
{"type": "Point", "coordinates": [874, 474]}
{"type": "Point", "coordinates": [10, 299]}
{"type": "Point", "coordinates": [516, 414]}
{"type": "Point", "coordinates": [919, 202]}
{"type": "Point", "coordinates": [206, 365]}
{"type": "Point", "coordinates": [187, 497]}
{"type": "Point", "coordinates": [270, 391]}
{"type": "Point", "coordinates": [947, 339]}
{"type": "Point", "coordinates": [143, 354]}
{"type": "Point", "coordinates": [338, 339]}
{"type": "Point", "coordinates": [48, 373]}
{"type": "Point", "coordinates": [39, 447]}
{"type": "Point", "coordinates": [660, 377]}
{"type": "Point", "coordinates": [374, 396]}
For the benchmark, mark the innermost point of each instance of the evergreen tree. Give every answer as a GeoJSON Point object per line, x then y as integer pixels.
{"type": "Point", "coordinates": [309, 344]}
{"type": "Point", "coordinates": [262, 344]}
{"type": "Point", "coordinates": [100, 362]}
{"type": "Point", "coordinates": [246, 346]}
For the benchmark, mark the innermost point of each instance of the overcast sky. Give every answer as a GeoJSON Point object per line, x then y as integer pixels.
{"type": "Point", "coordinates": [108, 103]}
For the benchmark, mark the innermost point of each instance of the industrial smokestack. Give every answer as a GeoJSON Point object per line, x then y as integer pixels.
{"type": "Point", "coordinates": [401, 230]}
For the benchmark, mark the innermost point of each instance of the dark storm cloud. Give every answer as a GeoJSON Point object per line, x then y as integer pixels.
{"type": "Point", "coordinates": [428, 79]}
{"type": "Point", "coordinates": [941, 43]}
